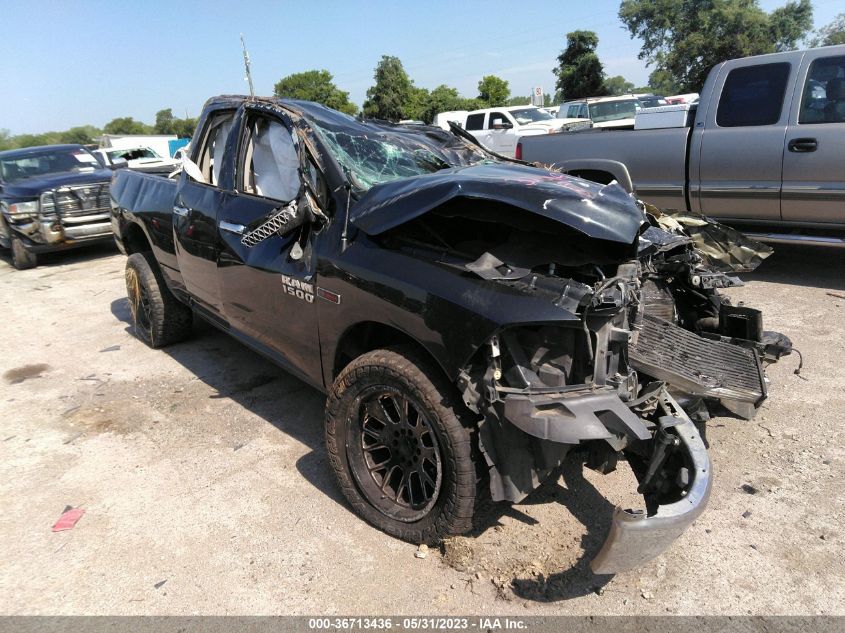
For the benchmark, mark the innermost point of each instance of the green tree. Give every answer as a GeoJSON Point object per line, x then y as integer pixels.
{"type": "Point", "coordinates": [165, 123]}
{"type": "Point", "coordinates": [315, 85]}
{"type": "Point", "coordinates": [661, 82]}
{"type": "Point", "coordinates": [391, 93]}
{"type": "Point", "coordinates": [417, 105]}
{"type": "Point", "coordinates": [579, 72]}
{"type": "Point", "coordinates": [618, 85]}
{"type": "Point", "coordinates": [493, 91]}
{"type": "Point", "coordinates": [184, 128]}
{"type": "Point", "coordinates": [6, 140]}
{"type": "Point", "coordinates": [126, 125]}
{"type": "Point", "coordinates": [832, 34]}
{"type": "Point", "coordinates": [83, 134]}
{"type": "Point", "coordinates": [686, 38]}
{"type": "Point", "coordinates": [442, 99]}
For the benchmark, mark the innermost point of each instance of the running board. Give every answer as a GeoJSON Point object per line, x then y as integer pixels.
{"type": "Point", "coordinates": [791, 238]}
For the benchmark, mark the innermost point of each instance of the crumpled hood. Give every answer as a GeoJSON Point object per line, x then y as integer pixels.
{"type": "Point", "coordinates": [603, 212]}
{"type": "Point", "coordinates": [33, 187]}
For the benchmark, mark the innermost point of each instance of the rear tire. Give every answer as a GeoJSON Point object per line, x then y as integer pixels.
{"type": "Point", "coordinates": [22, 259]}
{"type": "Point", "coordinates": [158, 317]}
{"type": "Point", "coordinates": [398, 449]}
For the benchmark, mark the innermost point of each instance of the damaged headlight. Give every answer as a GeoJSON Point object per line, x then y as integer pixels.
{"type": "Point", "coordinates": [23, 210]}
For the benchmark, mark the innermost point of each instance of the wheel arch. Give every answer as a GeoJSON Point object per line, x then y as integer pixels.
{"type": "Point", "coordinates": [366, 336]}
{"type": "Point", "coordinates": [135, 239]}
{"type": "Point", "coordinates": [599, 170]}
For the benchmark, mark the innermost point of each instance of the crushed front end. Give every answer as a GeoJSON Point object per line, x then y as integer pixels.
{"type": "Point", "coordinates": [652, 349]}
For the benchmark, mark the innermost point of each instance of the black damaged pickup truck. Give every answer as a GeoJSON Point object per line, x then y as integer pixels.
{"type": "Point", "coordinates": [472, 319]}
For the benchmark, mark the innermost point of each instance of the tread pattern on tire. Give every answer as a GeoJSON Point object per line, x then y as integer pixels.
{"type": "Point", "coordinates": [171, 319]}
{"type": "Point", "coordinates": [454, 513]}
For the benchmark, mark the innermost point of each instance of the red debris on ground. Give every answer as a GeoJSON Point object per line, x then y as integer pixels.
{"type": "Point", "coordinates": [68, 519]}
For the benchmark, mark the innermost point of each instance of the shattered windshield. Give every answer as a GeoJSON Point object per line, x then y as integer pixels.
{"type": "Point", "coordinates": [371, 161]}
{"type": "Point", "coordinates": [531, 115]}
{"type": "Point", "coordinates": [133, 154]}
{"type": "Point", "coordinates": [373, 152]}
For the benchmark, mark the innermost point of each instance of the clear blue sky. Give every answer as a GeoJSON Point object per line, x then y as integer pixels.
{"type": "Point", "coordinates": [73, 63]}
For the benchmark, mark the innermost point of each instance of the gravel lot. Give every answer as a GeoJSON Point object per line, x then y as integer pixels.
{"type": "Point", "coordinates": [206, 489]}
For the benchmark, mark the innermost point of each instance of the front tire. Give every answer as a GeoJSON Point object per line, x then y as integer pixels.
{"type": "Point", "coordinates": [22, 259]}
{"type": "Point", "coordinates": [159, 318]}
{"type": "Point", "coordinates": [398, 449]}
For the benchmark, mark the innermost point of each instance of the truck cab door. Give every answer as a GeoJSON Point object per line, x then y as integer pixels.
{"type": "Point", "coordinates": [501, 139]}
{"type": "Point", "coordinates": [813, 181]}
{"type": "Point", "coordinates": [741, 145]}
{"type": "Point", "coordinates": [476, 125]}
{"type": "Point", "coordinates": [266, 269]}
{"type": "Point", "coordinates": [195, 210]}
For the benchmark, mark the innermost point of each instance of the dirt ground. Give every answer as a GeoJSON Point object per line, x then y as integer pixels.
{"type": "Point", "coordinates": [206, 489]}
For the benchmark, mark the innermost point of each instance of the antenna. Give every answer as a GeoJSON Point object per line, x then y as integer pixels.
{"type": "Point", "coordinates": [246, 65]}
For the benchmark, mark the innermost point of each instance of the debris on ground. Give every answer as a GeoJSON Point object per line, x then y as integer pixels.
{"type": "Point", "coordinates": [68, 519]}
{"type": "Point", "coordinates": [422, 551]}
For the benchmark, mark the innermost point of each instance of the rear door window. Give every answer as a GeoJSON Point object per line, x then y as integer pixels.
{"type": "Point", "coordinates": [753, 95]}
{"type": "Point", "coordinates": [210, 155]}
{"type": "Point", "coordinates": [475, 122]}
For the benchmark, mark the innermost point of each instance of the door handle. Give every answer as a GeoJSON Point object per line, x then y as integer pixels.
{"type": "Point", "coordinates": [231, 227]}
{"type": "Point", "coordinates": [803, 145]}
{"type": "Point", "coordinates": [180, 211]}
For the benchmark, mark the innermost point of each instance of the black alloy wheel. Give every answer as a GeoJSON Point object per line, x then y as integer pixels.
{"type": "Point", "coordinates": [396, 458]}
{"type": "Point", "coordinates": [401, 447]}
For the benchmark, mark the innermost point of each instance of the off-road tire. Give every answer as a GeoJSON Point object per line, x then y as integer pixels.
{"type": "Point", "coordinates": [22, 259]}
{"type": "Point", "coordinates": [404, 370]}
{"type": "Point", "coordinates": [158, 317]}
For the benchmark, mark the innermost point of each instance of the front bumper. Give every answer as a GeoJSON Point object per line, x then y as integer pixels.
{"type": "Point", "coordinates": [43, 235]}
{"type": "Point", "coordinates": [636, 538]}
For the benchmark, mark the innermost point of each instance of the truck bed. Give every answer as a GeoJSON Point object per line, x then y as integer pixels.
{"type": "Point", "coordinates": [138, 192]}
{"type": "Point", "coordinates": [656, 159]}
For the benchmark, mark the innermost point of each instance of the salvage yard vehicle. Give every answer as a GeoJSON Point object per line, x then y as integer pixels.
{"type": "Point", "coordinates": [472, 319]}
{"type": "Point", "coordinates": [499, 129]}
{"type": "Point", "coordinates": [763, 151]}
{"type": "Point", "coordinates": [52, 198]}
{"type": "Point", "coordinates": [138, 158]}
{"type": "Point", "coordinates": [606, 113]}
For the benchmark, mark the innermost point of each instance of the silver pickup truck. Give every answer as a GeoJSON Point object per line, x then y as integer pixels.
{"type": "Point", "coordinates": [764, 149]}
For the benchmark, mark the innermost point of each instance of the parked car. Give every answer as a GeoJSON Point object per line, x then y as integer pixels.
{"type": "Point", "coordinates": [51, 198]}
{"type": "Point", "coordinates": [603, 112]}
{"type": "Point", "coordinates": [143, 159]}
{"type": "Point", "coordinates": [652, 101]}
{"type": "Point", "coordinates": [498, 128]}
{"type": "Point", "coordinates": [763, 150]}
{"type": "Point", "coordinates": [472, 319]}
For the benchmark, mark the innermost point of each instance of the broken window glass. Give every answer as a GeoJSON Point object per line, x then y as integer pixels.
{"type": "Point", "coordinates": [373, 154]}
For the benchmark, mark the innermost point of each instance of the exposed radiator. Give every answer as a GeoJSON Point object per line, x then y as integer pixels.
{"type": "Point", "coordinates": [699, 366]}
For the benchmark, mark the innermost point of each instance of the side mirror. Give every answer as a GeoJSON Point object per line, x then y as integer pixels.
{"type": "Point", "coordinates": [119, 163]}
{"type": "Point", "coordinates": [500, 124]}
